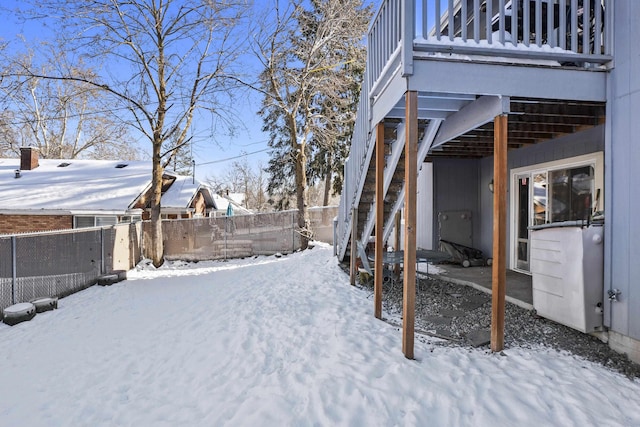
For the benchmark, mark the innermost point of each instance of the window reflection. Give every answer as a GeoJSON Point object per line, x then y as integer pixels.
{"type": "Point", "coordinates": [539, 198]}
{"type": "Point", "coordinates": [571, 193]}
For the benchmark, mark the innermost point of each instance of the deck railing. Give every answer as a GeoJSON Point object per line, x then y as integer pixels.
{"type": "Point", "coordinates": [384, 39]}
{"type": "Point", "coordinates": [354, 167]}
{"type": "Point", "coordinates": [574, 33]}
{"type": "Point", "coordinates": [564, 31]}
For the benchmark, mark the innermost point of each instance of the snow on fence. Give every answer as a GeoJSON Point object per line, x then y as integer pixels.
{"type": "Point", "coordinates": [242, 235]}
{"type": "Point", "coordinates": [59, 263]}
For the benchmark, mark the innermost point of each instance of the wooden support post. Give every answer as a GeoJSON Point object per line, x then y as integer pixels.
{"type": "Point", "coordinates": [396, 267]}
{"type": "Point", "coordinates": [377, 268]}
{"type": "Point", "coordinates": [354, 248]}
{"type": "Point", "coordinates": [411, 183]}
{"type": "Point", "coordinates": [499, 271]}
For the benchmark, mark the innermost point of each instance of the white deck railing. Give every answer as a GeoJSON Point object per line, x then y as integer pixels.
{"type": "Point", "coordinates": [564, 32]}
{"type": "Point", "coordinates": [354, 168]}
{"type": "Point", "coordinates": [560, 30]}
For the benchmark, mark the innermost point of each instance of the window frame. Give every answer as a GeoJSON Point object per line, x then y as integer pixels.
{"type": "Point", "coordinates": [596, 160]}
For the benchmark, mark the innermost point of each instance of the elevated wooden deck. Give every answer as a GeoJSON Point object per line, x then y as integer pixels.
{"type": "Point", "coordinates": [473, 79]}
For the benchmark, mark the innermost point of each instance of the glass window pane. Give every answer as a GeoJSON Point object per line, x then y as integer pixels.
{"type": "Point", "coordinates": [540, 198]}
{"type": "Point", "coordinates": [84, 221]}
{"type": "Point", "coordinates": [571, 193]}
{"type": "Point", "coordinates": [523, 203]}
{"type": "Point", "coordinates": [106, 220]}
{"type": "Point", "coordinates": [523, 251]}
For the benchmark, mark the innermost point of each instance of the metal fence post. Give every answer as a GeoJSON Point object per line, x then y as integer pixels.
{"type": "Point", "coordinates": [226, 227]}
{"type": "Point", "coordinates": [102, 269]}
{"type": "Point", "coordinates": [293, 232]}
{"type": "Point", "coordinates": [14, 268]}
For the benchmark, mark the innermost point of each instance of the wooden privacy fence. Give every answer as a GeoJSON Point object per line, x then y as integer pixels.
{"type": "Point", "coordinates": [240, 236]}
{"type": "Point", "coordinates": [59, 263]}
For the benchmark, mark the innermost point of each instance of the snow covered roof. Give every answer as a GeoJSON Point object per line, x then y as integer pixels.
{"type": "Point", "coordinates": [222, 203]}
{"type": "Point", "coordinates": [236, 198]}
{"type": "Point", "coordinates": [82, 186]}
{"type": "Point", "coordinates": [182, 191]}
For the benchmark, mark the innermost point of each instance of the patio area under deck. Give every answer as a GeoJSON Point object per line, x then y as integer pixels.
{"type": "Point", "coordinates": [518, 288]}
{"type": "Point", "coordinates": [478, 90]}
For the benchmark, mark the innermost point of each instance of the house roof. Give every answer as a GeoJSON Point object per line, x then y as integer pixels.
{"type": "Point", "coordinates": [82, 186]}
{"type": "Point", "coordinates": [183, 190]}
{"type": "Point", "coordinates": [236, 198]}
{"type": "Point", "coordinates": [222, 203]}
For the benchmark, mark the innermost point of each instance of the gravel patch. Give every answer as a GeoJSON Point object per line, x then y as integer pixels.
{"type": "Point", "coordinates": [451, 314]}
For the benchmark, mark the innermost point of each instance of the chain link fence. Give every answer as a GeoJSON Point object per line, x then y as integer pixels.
{"type": "Point", "coordinates": [56, 264]}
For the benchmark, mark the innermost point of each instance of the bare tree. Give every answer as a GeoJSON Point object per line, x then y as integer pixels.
{"type": "Point", "coordinates": [241, 177]}
{"type": "Point", "coordinates": [302, 52]}
{"type": "Point", "coordinates": [162, 61]}
{"type": "Point", "coordinates": [64, 119]}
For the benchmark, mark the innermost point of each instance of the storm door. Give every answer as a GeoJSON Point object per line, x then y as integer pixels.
{"type": "Point", "coordinates": [523, 214]}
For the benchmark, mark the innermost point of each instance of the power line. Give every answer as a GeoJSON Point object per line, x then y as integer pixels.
{"type": "Point", "coordinates": [233, 158]}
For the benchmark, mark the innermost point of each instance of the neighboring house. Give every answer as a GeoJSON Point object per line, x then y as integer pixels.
{"type": "Point", "coordinates": [238, 199]}
{"type": "Point", "coordinates": [49, 194]}
{"type": "Point", "coordinates": [553, 81]}
{"type": "Point", "coordinates": [187, 198]}
{"type": "Point", "coordinates": [222, 205]}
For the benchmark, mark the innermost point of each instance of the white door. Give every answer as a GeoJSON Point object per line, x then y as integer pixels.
{"type": "Point", "coordinates": [523, 215]}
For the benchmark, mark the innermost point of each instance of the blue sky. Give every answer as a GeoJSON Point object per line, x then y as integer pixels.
{"type": "Point", "coordinates": [213, 154]}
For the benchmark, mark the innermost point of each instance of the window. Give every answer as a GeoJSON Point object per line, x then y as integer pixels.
{"type": "Point", "coordinates": [125, 219]}
{"type": "Point", "coordinates": [564, 190]}
{"type": "Point", "coordinates": [571, 194]}
{"type": "Point", "coordinates": [106, 220]}
{"type": "Point", "coordinates": [83, 221]}
{"type": "Point", "coordinates": [539, 198]}
{"type": "Point", "coordinates": [567, 195]}
{"type": "Point", "coordinates": [94, 221]}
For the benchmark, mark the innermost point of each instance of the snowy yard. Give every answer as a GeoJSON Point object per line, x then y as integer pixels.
{"type": "Point", "coordinates": [276, 341]}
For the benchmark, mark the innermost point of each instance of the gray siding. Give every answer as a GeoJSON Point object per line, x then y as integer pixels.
{"type": "Point", "coordinates": [424, 214]}
{"type": "Point", "coordinates": [577, 144]}
{"type": "Point", "coordinates": [622, 161]}
{"type": "Point", "coordinates": [456, 188]}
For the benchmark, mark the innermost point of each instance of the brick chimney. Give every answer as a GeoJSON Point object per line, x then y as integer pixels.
{"type": "Point", "coordinates": [28, 158]}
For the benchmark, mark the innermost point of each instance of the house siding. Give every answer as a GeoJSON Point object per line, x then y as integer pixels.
{"type": "Point", "coordinates": [576, 144]}
{"type": "Point", "coordinates": [622, 202]}
{"type": "Point", "coordinates": [456, 184]}
{"type": "Point", "coordinates": [424, 214]}
{"type": "Point", "coordinates": [10, 224]}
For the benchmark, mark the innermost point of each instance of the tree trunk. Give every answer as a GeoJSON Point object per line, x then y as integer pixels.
{"type": "Point", "coordinates": [304, 224]}
{"type": "Point", "coordinates": [157, 249]}
{"type": "Point", "coordinates": [325, 197]}
{"type": "Point", "coordinates": [327, 189]}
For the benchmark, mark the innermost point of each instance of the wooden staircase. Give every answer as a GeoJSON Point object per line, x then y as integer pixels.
{"type": "Point", "coordinates": [394, 169]}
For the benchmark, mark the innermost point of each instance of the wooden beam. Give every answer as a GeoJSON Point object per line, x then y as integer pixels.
{"type": "Point", "coordinates": [473, 115]}
{"type": "Point", "coordinates": [411, 182]}
{"type": "Point", "coordinates": [379, 206]}
{"type": "Point", "coordinates": [499, 271]}
{"type": "Point", "coordinates": [354, 249]}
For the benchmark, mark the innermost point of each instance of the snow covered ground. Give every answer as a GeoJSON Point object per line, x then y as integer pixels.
{"type": "Point", "coordinates": [276, 341]}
